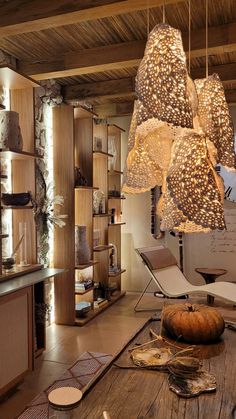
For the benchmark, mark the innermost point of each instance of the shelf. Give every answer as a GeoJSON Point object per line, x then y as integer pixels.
{"type": "Point", "coordinates": [116, 197]}
{"type": "Point", "coordinates": [112, 275]}
{"type": "Point", "coordinates": [101, 215]}
{"type": "Point", "coordinates": [17, 207]}
{"type": "Point", "coordinates": [19, 271]}
{"type": "Point", "coordinates": [84, 188]}
{"type": "Point", "coordinates": [2, 106]}
{"type": "Point", "coordinates": [102, 248]}
{"type": "Point", "coordinates": [12, 79]}
{"type": "Point", "coordinates": [116, 224]}
{"type": "Point", "coordinates": [3, 176]}
{"type": "Point", "coordinates": [101, 154]}
{"type": "Point", "coordinates": [80, 112]}
{"type": "Point", "coordinates": [38, 352]}
{"type": "Point", "coordinates": [7, 153]}
{"type": "Point", "coordinates": [4, 236]}
{"type": "Point", "coordinates": [87, 265]}
{"type": "Point", "coordinates": [84, 292]}
{"type": "Point", "coordinates": [114, 172]}
{"type": "Point", "coordinates": [113, 128]}
{"type": "Point", "coordinates": [93, 313]}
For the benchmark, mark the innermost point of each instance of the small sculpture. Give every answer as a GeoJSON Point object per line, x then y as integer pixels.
{"type": "Point", "coordinates": [99, 206]}
{"type": "Point", "coordinates": [80, 180]}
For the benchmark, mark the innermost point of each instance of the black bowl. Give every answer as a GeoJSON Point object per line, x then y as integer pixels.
{"type": "Point", "coordinates": [17, 199]}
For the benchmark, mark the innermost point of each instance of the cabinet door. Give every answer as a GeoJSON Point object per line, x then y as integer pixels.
{"type": "Point", "coordinates": [16, 337]}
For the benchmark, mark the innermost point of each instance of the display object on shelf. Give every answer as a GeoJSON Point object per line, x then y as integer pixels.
{"type": "Point", "coordinates": [10, 132]}
{"type": "Point", "coordinates": [82, 250]}
{"type": "Point", "coordinates": [112, 150]}
{"type": "Point", "coordinates": [97, 144]}
{"type": "Point", "coordinates": [82, 308]}
{"type": "Point", "coordinates": [80, 179]}
{"type": "Point", "coordinates": [16, 199]}
{"type": "Point", "coordinates": [99, 205]}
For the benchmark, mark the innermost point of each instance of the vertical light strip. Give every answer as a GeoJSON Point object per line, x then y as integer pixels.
{"type": "Point", "coordinates": [7, 215]}
{"type": "Point", "coordinates": [50, 182]}
{"type": "Point", "coordinates": [49, 165]}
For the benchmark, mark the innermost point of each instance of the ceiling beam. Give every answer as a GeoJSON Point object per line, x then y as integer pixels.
{"type": "Point", "coordinates": [227, 72]}
{"type": "Point", "coordinates": [36, 15]}
{"type": "Point", "coordinates": [125, 55]}
{"type": "Point", "coordinates": [112, 89]}
{"type": "Point", "coordinates": [115, 109]}
{"type": "Point", "coordinates": [103, 89]}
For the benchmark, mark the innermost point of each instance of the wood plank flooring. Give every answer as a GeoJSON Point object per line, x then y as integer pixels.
{"type": "Point", "coordinates": [106, 333]}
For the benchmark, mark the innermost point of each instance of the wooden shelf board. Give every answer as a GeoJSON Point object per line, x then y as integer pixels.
{"type": "Point", "coordinates": [2, 106]}
{"type": "Point", "coordinates": [101, 215]}
{"type": "Point", "coordinates": [3, 236]}
{"type": "Point", "coordinates": [116, 197]}
{"type": "Point", "coordinates": [80, 112]}
{"type": "Point", "coordinates": [12, 79]}
{"type": "Point", "coordinates": [20, 270]}
{"type": "Point", "coordinates": [17, 207]}
{"type": "Point", "coordinates": [102, 248]}
{"type": "Point", "coordinates": [3, 176]}
{"type": "Point", "coordinates": [101, 154]}
{"type": "Point", "coordinates": [84, 188]}
{"type": "Point", "coordinates": [113, 128]}
{"type": "Point", "coordinates": [8, 153]}
{"type": "Point", "coordinates": [114, 172]}
{"type": "Point", "coordinates": [93, 313]}
{"type": "Point", "coordinates": [117, 273]}
{"type": "Point", "coordinates": [87, 265]}
{"type": "Point", "coordinates": [38, 352]}
{"type": "Point", "coordinates": [84, 292]}
{"type": "Point", "coordinates": [116, 224]}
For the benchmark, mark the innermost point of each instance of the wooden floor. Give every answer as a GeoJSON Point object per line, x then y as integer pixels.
{"type": "Point", "coordinates": [107, 333]}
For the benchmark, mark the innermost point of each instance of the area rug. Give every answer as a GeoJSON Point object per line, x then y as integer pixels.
{"type": "Point", "coordinates": [78, 375]}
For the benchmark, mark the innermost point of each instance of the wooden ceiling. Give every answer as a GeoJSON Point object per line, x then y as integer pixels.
{"type": "Point", "coordinates": [93, 47]}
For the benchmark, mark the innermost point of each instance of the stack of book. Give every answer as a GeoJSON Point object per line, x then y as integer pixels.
{"type": "Point", "coordinates": [100, 302]}
{"type": "Point", "coordinates": [83, 286]}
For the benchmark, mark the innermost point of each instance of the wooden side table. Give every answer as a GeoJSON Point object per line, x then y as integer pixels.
{"type": "Point", "coordinates": [209, 275]}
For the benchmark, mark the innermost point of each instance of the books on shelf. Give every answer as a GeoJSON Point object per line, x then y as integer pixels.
{"type": "Point", "coordinates": [83, 286]}
{"type": "Point", "coordinates": [100, 302]}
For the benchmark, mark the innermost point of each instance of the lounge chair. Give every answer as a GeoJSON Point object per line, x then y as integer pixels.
{"type": "Point", "coordinates": [166, 274]}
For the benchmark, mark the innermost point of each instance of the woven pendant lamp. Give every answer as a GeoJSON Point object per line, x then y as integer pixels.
{"type": "Point", "coordinates": [160, 112]}
{"type": "Point", "coordinates": [215, 119]}
{"type": "Point", "coordinates": [192, 185]}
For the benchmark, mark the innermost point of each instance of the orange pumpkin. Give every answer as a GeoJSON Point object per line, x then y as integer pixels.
{"type": "Point", "coordinates": [195, 323]}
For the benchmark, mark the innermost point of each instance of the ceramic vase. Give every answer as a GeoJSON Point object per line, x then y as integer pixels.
{"type": "Point", "coordinates": [82, 250]}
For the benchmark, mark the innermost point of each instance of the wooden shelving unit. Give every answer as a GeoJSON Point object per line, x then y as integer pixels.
{"type": "Point", "coordinates": [82, 129]}
{"type": "Point", "coordinates": [95, 312]}
{"type": "Point", "coordinates": [22, 179]}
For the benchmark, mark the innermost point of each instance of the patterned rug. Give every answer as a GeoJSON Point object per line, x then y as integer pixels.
{"type": "Point", "coordinates": [79, 375]}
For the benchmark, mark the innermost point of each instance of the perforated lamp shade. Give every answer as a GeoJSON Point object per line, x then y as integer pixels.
{"type": "Point", "coordinates": [193, 199]}
{"type": "Point", "coordinates": [161, 110]}
{"type": "Point", "coordinates": [215, 119]}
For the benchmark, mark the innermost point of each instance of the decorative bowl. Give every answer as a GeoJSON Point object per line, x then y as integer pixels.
{"type": "Point", "coordinates": [82, 308]}
{"type": "Point", "coordinates": [8, 263]}
{"type": "Point", "coordinates": [17, 199]}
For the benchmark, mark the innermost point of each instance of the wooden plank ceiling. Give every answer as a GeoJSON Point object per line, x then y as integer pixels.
{"type": "Point", "coordinates": [93, 47]}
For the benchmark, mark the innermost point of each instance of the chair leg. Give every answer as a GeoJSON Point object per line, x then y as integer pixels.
{"type": "Point", "coordinates": [140, 298]}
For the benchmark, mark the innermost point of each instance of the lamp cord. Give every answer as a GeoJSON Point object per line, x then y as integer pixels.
{"type": "Point", "coordinates": [148, 19]}
{"type": "Point", "coordinates": [189, 36]}
{"type": "Point", "coordinates": [164, 12]}
{"type": "Point", "coordinates": [206, 38]}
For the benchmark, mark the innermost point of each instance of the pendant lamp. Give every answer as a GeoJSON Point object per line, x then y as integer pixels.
{"type": "Point", "coordinates": [160, 112]}
{"type": "Point", "coordinates": [215, 119]}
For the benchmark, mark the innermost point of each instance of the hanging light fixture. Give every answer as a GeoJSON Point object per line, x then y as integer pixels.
{"type": "Point", "coordinates": [215, 119]}
{"type": "Point", "coordinates": [161, 111]}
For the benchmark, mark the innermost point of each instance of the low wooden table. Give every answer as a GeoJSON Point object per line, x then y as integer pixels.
{"type": "Point", "coordinates": [133, 393]}
{"type": "Point", "coordinates": [209, 275]}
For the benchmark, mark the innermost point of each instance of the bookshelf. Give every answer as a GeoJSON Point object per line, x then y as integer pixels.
{"type": "Point", "coordinates": [81, 140]}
